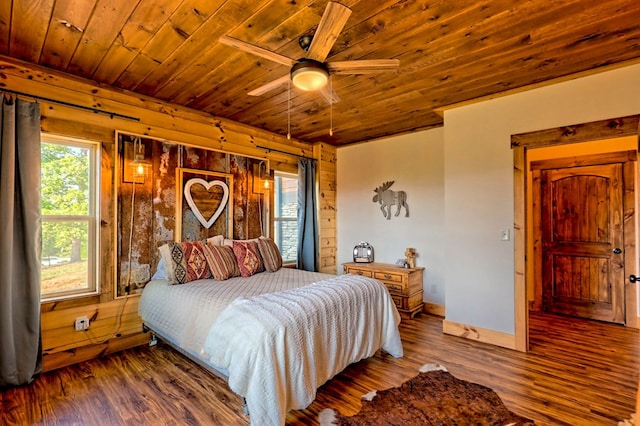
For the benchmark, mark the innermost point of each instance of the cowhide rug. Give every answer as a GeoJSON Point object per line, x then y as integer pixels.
{"type": "Point", "coordinates": [433, 397]}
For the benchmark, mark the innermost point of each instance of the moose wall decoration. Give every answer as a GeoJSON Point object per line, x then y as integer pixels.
{"type": "Point", "coordinates": [388, 198]}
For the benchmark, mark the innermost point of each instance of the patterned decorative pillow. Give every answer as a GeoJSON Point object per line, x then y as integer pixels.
{"type": "Point", "coordinates": [249, 260]}
{"type": "Point", "coordinates": [185, 262]}
{"type": "Point", "coordinates": [270, 254]}
{"type": "Point", "coordinates": [222, 261]}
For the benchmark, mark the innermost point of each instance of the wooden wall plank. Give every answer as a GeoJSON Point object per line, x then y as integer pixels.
{"type": "Point", "coordinates": [158, 119]}
{"type": "Point", "coordinates": [84, 353]}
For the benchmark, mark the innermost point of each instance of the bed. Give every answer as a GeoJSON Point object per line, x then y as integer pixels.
{"type": "Point", "coordinates": [275, 336]}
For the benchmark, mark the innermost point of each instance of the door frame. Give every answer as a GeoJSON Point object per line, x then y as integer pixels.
{"type": "Point", "coordinates": [587, 132]}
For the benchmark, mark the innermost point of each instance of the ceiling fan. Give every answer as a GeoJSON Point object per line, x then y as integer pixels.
{"type": "Point", "coordinates": [312, 72]}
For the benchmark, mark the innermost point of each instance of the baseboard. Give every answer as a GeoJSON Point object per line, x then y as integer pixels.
{"type": "Point", "coordinates": [479, 334]}
{"type": "Point", "coordinates": [434, 309]}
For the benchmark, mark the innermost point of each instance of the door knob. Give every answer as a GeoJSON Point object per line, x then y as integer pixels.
{"type": "Point", "coordinates": [634, 279]}
{"type": "Point", "coordinates": [617, 250]}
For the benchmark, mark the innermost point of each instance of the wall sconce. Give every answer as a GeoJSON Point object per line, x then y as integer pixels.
{"type": "Point", "coordinates": [261, 177]}
{"type": "Point", "coordinates": [139, 166]}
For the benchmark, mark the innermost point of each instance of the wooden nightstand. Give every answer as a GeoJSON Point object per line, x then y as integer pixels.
{"type": "Point", "coordinates": [404, 284]}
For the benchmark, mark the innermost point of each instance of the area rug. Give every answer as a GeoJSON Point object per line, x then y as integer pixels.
{"type": "Point", "coordinates": [433, 397]}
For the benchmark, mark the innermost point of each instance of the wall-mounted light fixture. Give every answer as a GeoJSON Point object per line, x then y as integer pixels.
{"type": "Point", "coordinates": [261, 177]}
{"type": "Point", "coordinates": [140, 166]}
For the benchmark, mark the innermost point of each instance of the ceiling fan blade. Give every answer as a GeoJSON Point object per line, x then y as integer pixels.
{"type": "Point", "coordinates": [330, 95]}
{"type": "Point", "coordinates": [365, 66]}
{"type": "Point", "coordinates": [333, 20]}
{"type": "Point", "coordinates": [269, 86]}
{"type": "Point", "coordinates": [256, 50]}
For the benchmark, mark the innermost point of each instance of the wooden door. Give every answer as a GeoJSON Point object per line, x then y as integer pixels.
{"type": "Point", "coordinates": [582, 241]}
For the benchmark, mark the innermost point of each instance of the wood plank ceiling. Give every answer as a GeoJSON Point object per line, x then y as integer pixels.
{"type": "Point", "coordinates": [450, 51]}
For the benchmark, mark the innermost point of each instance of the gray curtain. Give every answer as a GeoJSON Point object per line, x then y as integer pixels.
{"type": "Point", "coordinates": [308, 244]}
{"type": "Point", "coordinates": [20, 235]}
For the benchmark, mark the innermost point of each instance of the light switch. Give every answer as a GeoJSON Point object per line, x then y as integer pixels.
{"type": "Point", "coordinates": [506, 234]}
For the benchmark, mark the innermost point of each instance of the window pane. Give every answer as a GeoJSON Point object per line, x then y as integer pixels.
{"type": "Point", "coordinates": [69, 179]}
{"type": "Point", "coordinates": [286, 196]}
{"type": "Point", "coordinates": [286, 216]}
{"type": "Point", "coordinates": [64, 264]}
{"type": "Point", "coordinates": [65, 179]}
{"type": "Point", "coordinates": [286, 238]}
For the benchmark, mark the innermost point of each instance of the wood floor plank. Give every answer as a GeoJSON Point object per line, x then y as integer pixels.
{"type": "Point", "coordinates": [576, 373]}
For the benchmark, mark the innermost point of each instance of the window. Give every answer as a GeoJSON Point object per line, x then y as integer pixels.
{"type": "Point", "coordinates": [286, 215]}
{"type": "Point", "coordinates": [69, 205]}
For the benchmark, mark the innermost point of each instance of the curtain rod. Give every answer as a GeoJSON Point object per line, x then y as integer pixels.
{"type": "Point", "coordinates": [69, 104]}
{"type": "Point", "coordinates": [285, 152]}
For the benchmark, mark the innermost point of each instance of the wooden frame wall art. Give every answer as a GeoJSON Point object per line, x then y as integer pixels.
{"type": "Point", "coordinates": [204, 204]}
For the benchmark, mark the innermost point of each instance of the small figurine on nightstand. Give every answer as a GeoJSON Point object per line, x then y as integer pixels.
{"type": "Point", "coordinates": [410, 254]}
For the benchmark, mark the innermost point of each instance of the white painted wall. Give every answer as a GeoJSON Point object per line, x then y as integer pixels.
{"type": "Point", "coordinates": [459, 180]}
{"type": "Point", "coordinates": [479, 271]}
{"type": "Point", "coordinates": [415, 163]}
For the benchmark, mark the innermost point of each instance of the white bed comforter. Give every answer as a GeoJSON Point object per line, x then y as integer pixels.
{"type": "Point", "coordinates": [184, 313]}
{"type": "Point", "coordinates": [278, 348]}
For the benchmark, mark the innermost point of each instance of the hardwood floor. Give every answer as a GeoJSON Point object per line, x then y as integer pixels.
{"type": "Point", "coordinates": [577, 373]}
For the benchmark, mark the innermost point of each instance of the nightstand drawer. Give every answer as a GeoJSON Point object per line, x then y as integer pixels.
{"type": "Point", "coordinates": [395, 288]}
{"type": "Point", "coordinates": [407, 303]}
{"type": "Point", "coordinates": [388, 276]}
{"type": "Point", "coordinates": [361, 272]}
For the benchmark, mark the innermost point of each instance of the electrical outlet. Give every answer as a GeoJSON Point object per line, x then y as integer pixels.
{"type": "Point", "coordinates": [82, 323]}
{"type": "Point", "coordinates": [506, 235]}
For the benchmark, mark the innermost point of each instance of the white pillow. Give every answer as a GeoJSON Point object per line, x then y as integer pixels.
{"type": "Point", "coordinates": [160, 274]}
{"type": "Point", "coordinates": [217, 240]}
{"type": "Point", "coordinates": [229, 242]}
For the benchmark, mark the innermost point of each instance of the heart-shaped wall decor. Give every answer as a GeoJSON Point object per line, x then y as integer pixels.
{"type": "Point", "coordinates": [207, 185]}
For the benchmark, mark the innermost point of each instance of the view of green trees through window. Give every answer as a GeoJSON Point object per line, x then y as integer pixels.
{"type": "Point", "coordinates": [67, 217]}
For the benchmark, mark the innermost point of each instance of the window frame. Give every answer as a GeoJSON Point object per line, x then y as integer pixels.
{"type": "Point", "coordinates": [92, 218]}
{"type": "Point", "coordinates": [277, 219]}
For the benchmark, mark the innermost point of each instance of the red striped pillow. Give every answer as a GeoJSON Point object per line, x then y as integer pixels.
{"type": "Point", "coordinates": [222, 262]}
{"type": "Point", "coordinates": [270, 254]}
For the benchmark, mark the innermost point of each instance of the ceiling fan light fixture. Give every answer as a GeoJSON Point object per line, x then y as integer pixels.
{"type": "Point", "coordinates": [308, 74]}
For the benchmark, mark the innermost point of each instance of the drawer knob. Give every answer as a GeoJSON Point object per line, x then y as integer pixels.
{"type": "Point", "coordinates": [387, 276]}
{"type": "Point", "coordinates": [359, 272]}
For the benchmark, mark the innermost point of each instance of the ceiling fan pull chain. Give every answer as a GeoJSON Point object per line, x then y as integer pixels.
{"type": "Point", "coordinates": [289, 111]}
{"type": "Point", "coordinates": [330, 105]}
